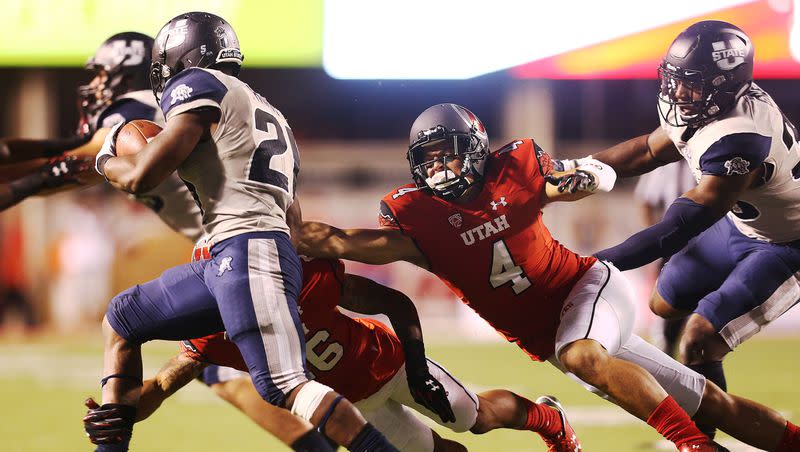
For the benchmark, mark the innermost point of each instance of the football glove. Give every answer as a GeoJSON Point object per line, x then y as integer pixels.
{"type": "Point", "coordinates": [64, 170]}
{"type": "Point", "coordinates": [425, 389]}
{"type": "Point", "coordinates": [108, 424]}
{"type": "Point", "coordinates": [109, 148]}
{"type": "Point", "coordinates": [573, 181]}
{"type": "Point", "coordinates": [428, 392]}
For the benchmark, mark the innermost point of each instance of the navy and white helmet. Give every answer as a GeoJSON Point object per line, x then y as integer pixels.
{"type": "Point", "coordinates": [195, 39]}
{"type": "Point", "coordinates": [124, 59]}
{"type": "Point", "coordinates": [708, 67]}
{"type": "Point", "coordinates": [449, 126]}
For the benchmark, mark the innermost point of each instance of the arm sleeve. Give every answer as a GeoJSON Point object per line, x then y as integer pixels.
{"type": "Point", "coordinates": [683, 220]}
{"type": "Point", "coordinates": [192, 89]}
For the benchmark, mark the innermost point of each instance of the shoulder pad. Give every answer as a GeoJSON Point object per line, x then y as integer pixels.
{"type": "Point", "coordinates": [192, 86]}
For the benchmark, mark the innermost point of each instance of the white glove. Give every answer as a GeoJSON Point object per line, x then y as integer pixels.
{"type": "Point", "coordinates": [109, 148]}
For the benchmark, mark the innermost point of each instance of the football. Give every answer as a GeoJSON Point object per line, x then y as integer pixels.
{"type": "Point", "coordinates": [135, 135]}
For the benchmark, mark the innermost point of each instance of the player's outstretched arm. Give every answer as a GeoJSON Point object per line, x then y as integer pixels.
{"type": "Point", "coordinates": [590, 176]}
{"type": "Point", "coordinates": [105, 424]}
{"type": "Point", "coordinates": [175, 374]}
{"type": "Point", "coordinates": [369, 297]}
{"type": "Point", "coordinates": [370, 246]}
{"type": "Point", "coordinates": [144, 170]}
{"type": "Point", "coordinates": [54, 174]}
{"type": "Point", "coordinates": [15, 150]}
{"type": "Point", "coordinates": [692, 213]}
{"type": "Point", "coordinates": [641, 154]}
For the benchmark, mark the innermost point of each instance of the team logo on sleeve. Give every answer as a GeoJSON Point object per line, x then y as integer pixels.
{"type": "Point", "coordinates": [181, 93]}
{"type": "Point", "coordinates": [455, 220]}
{"type": "Point", "coordinates": [737, 165]}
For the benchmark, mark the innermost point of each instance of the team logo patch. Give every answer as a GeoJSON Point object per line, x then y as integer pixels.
{"type": "Point", "coordinates": [455, 220]}
{"type": "Point", "coordinates": [501, 202]}
{"type": "Point", "coordinates": [737, 165]}
{"type": "Point", "coordinates": [181, 93]}
{"type": "Point", "coordinates": [224, 265]}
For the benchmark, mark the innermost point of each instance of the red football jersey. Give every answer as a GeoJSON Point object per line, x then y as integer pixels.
{"type": "Point", "coordinates": [356, 357]}
{"type": "Point", "coordinates": [495, 252]}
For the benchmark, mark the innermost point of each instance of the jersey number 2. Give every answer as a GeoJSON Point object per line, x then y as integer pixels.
{"type": "Point", "coordinates": [504, 270]}
{"type": "Point", "coordinates": [276, 140]}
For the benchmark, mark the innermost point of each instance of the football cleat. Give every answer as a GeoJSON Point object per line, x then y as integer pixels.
{"type": "Point", "coordinates": [565, 440]}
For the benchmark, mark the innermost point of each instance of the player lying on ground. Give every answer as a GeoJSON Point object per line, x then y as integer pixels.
{"type": "Point", "coordinates": [741, 269]}
{"type": "Point", "coordinates": [473, 218]}
{"type": "Point", "coordinates": [362, 359]}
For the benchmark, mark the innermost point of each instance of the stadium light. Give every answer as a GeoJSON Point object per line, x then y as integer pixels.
{"type": "Point", "coordinates": [458, 39]}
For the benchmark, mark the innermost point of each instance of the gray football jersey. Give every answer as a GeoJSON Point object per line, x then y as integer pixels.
{"type": "Point", "coordinates": [171, 199]}
{"type": "Point", "coordinates": [243, 178]}
{"type": "Point", "coordinates": [755, 133]}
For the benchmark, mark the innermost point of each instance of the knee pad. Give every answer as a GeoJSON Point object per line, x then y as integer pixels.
{"type": "Point", "coordinates": [117, 319]}
{"type": "Point", "coordinates": [308, 399]}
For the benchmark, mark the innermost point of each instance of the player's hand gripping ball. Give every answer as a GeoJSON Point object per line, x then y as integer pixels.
{"type": "Point", "coordinates": [134, 135]}
{"type": "Point", "coordinates": [125, 139]}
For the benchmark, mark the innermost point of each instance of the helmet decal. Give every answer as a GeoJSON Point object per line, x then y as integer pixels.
{"type": "Point", "coordinates": [728, 54]}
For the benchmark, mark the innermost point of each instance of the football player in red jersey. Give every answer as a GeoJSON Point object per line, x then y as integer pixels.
{"type": "Point", "coordinates": [473, 218]}
{"type": "Point", "coordinates": [381, 373]}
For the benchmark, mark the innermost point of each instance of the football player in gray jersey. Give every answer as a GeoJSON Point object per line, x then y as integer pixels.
{"type": "Point", "coordinates": [742, 270]}
{"type": "Point", "coordinates": [237, 155]}
{"type": "Point", "coordinates": [119, 91]}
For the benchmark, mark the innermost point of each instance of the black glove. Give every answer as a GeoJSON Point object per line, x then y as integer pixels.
{"type": "Point", "coordinates": [108, 424]}
{"type": "Point", "coordinates": [572, 181]}
{"type": "Point", "coordinates": [425, 389]}
{"type": "Point", "coordinates": [62, 170]}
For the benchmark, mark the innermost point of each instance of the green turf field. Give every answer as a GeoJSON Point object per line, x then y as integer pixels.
{"type": "Point", "coordinates": [43, 383]}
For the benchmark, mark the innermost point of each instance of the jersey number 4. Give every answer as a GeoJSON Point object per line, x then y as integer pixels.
{"type": "Point", "coordinates": [505, 270]}
{"type": "Point", "coordinates": [276, 140]}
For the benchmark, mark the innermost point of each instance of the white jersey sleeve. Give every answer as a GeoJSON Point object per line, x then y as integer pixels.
{"type": "Point", "coordinates": [243, 178]}
{"type": "Point", "coordinates": [754, 134]}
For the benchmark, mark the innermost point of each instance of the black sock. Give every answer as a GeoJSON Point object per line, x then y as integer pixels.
{"type": "Point", "coordinates": [117, 447]}
{"type": "Point", "coordinates": [672, 330]}
{"type": "Point", "coordinates": [312, 441]}
{"type": "Point", "coordinates": [713, 372]}
{"type": "Point", "coordinates": [369, 439]}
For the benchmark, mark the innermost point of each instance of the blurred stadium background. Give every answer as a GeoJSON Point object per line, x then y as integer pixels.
{"type": "Point", "coordinates": [350, 76]}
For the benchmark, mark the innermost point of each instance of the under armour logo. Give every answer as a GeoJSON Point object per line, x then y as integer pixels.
{"type": "Point", "coordinates": [502, 202]}
{"type": "Point", "coordinates": [224, 265]}
{"type": "Point", "coordinates": [433, 385]}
